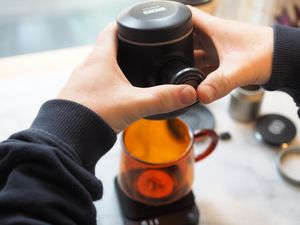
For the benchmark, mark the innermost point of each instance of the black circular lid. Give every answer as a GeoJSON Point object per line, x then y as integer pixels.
{"type": "Point", "coordinates": [199, 117]}
{"type": "Point", "coordinates": [155, 22]}
{"type": "Point", "coordinates": [275, 129]}
{"type": "Point", "coordinates": [191, 76]}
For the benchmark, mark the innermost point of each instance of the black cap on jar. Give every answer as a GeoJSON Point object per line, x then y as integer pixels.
{"type": "Point", "coordinates": [275, 130]}
{"type": "Point", "coordinates": [155, 22]}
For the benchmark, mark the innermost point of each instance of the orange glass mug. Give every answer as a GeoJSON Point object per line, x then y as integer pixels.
{"type": "Point", "coordinates": [157, 160]}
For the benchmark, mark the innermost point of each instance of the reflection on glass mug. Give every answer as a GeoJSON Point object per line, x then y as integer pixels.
{"type": "Point", "coordinates": [157, 161]}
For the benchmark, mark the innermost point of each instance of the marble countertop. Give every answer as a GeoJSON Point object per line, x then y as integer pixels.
{"type": "Point", "coordinates": [237, 185]}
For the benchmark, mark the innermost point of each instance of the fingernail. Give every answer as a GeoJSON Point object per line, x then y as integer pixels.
{"type": "Point", "coordinates": [188, 95]}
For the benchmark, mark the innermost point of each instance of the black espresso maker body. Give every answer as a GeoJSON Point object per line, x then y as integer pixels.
{"type": "Point", "coordinates": [155, 40]}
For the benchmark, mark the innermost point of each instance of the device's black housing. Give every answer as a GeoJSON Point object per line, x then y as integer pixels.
{"type": "Point", "coordinates": [146, 66]}
{"type": "Point", "coordinates": [194, 2]}
{"type": "Point", "coordinates": [156, 47]}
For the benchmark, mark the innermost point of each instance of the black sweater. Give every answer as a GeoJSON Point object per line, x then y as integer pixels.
{"type": "Point", "coordinates": [47, 171]}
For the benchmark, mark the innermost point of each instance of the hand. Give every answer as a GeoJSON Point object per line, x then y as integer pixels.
{"type": "Point", "coordinates": [99, 84]}
{"type": "Point", "coordinates": [287, 12]}
{"type": "Point", "coordinates": [233, 54]}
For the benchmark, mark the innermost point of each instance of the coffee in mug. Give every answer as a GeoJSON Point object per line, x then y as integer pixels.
{"type": "Point", "coordinates": [157, 161]}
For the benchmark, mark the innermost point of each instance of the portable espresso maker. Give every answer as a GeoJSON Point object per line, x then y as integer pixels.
{"type": "Point", "coordinates": [155, 46]}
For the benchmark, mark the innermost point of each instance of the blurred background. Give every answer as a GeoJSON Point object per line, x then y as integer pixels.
{"type": "Point", "coordinates": [37, 25]}
{"type": "Point", "coordinates": [28, 26]}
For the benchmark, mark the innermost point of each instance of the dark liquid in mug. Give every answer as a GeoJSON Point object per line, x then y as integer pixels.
{"type": "Point", "coordinates": [162, 144]}
{"type": "Point", "coordinates": [157, 142]}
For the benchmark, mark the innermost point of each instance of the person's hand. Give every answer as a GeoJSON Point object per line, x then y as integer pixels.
{"type": "Point", "coordinates": [287, 12]}
{"type": "Point", "coordinates": [99, 84]}
{"type": "Point", "coordinates": [231, 53]}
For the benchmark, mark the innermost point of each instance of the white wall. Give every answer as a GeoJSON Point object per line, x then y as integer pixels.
{"type": "Point", "coordinates": [251, 11]}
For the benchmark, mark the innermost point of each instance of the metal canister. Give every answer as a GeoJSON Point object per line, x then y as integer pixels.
{"type": "Point", "coordinates": [245, 103]}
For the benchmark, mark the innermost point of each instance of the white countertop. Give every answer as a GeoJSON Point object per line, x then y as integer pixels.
{"type": "Point", "coordinates": [237, 185]}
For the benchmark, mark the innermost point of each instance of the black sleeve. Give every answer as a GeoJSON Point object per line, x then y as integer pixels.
{"type": "Point", "coordinates": [47, 171]}
{"type": "Point", "coordinates": [286, 62]}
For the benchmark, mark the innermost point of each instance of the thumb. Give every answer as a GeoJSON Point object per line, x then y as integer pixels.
{"type": "Point", "coordinates": [215, 86]}
{"type": "Point", "coordinates": [106, 44]}
{"type": "Point", "coordinates": [166, 98]}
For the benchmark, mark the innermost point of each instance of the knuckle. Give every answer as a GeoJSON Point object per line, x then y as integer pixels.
{"type": "Point", "coordinates": [163, 101]}
{"type": "Point", "coordinates": [92, 58]}
{"type": "Point", "coordinates": [224, 82]}
{"type": "Point", "coordinates": [160, 101]}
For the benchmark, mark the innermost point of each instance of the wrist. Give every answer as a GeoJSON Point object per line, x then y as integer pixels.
{"type": "Point", "coordinates": [77, 128]}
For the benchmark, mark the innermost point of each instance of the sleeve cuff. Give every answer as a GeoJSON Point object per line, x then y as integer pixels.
{"type": "Point", "coordinates": [78, 127]}
{"type": "Point", "coordinates": [286, 58]}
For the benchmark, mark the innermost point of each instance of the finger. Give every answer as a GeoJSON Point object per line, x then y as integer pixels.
{"type": "Point", "coordinates": [278, 7]}
{"type": "Point", "coordinates": [202, 40]}
{"type": "Point", "coordinates": [165, 98]}
{"type": "Point", "coordinates": [197, 43]}
{"type": "Point", "coordinates": [214, 86]}
{"type": "Point", "coordinates": [297, 4]}
{"type": "Point", "coordinates": [204, 62]}
{"type": "Point", "coordinates": [199, 54]}
{"type": "Point", "coordinates": [291, 13]}
{"type": "Point", "coordinates": [201, 20]}
{"type": "Point", "coordinates": [106, 44]}
{"type": "Point", "coordinates": [203, 59]}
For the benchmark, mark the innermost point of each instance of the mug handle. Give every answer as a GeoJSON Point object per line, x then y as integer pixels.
{"type": "Point", "coordinates": [198, 134]}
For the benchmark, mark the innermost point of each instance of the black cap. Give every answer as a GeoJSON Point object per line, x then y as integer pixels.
{"type": "Point", "coordinates": [275, 129]}
{"type": "Point", "coordinates": [199, 117]}
{"type": "Point", "coordinates": [155, 22]}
